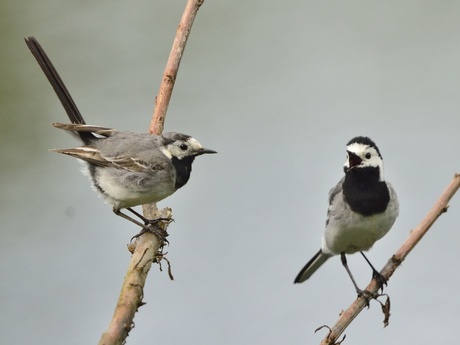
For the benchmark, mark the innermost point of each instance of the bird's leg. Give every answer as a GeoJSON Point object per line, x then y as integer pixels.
{"type": "Point", "coordinates": [122, 215]}
{"type": "Point", "coordinates": [151, 225]}
{"type": "Point", "coordinates": [376, 274]}
{"type": "Point", "coordinates": [344, 263]}
{"type": "Point", "coordinates": [158, 231]}
{"type": "Point", "coordinates": [149, 221]}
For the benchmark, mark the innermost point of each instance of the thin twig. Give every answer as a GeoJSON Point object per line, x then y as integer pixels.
{"type": "Point", "coordinates": [172, 67]}
{"type": "Point", "coordinates": [148, 245]}
{"type": "Point", "coordinates": [347, 316]}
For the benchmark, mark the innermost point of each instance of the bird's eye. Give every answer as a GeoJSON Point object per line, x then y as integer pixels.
{"type": "Point", "coordinates": [183, 147]}
{"type": "Point", "coordinates": [368, 155]}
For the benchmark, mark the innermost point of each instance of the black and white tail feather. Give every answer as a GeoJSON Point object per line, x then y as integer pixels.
{"type": "Point", "coordinates": [362, 209]}
{"type": "Point", "coordinates": [126, 168]}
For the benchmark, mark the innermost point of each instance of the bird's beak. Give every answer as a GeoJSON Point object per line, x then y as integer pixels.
{"type": "Point", "coordinates": [204, 150]}
{"type": "Point", "coordinates": [353, 160]}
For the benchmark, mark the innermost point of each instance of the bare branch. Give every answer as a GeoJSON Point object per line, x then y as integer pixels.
{"type": "Point", "coordinates": [172, 67]}
{"type": "Point", "coordinates": [347, 316]}
{"type": "Point", "coordinates": [148, 247]}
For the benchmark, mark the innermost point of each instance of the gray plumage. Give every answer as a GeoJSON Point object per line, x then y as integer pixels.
{"type": "Point", "coordinates": [362, 207]}
{"type": "Point", "coordinates": [128, 168]}
{"type": "Point", "coordinates": [125, 168]}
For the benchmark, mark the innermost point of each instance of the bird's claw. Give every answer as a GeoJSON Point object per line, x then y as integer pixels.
{"type": "Point", "coordinates": [367, 295]}
{"type": "Point", "coordinates": [381, 280]}
{"type": "Point", "coordinates": [157, 222]}
{"type": "Point", "coordinates": [154, 228]}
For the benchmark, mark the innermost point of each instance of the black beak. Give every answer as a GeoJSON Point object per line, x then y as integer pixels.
{"type": "Point", "coordinates": [204, 150]}
{"type": "Point", "coordinates": [353, 160]}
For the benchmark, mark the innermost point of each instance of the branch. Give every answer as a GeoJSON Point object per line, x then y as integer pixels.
{"type": "Point", "coordinates": [172, 66]}
{"type": "Point", "coordinates": [148, 248]}
{"type": "Point", "coordinates": [440, 207]}
{"type": "Point", "coordinates": [145, 253]}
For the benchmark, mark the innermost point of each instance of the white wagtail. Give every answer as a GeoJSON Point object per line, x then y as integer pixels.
{"type": "Point", "coordinates": [362, 209]}
{"type": "Point", "coordinates": [126, 168]}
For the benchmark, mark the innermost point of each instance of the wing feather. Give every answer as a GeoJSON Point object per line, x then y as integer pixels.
{"type": "Point", "coordinates": [93, 156]}
{"type": "Point", "coordinates": [76, 127]}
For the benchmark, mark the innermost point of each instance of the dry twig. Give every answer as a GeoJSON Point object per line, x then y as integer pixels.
{"type": "Point", "coordinates": [172, 66]}
{"type": "Point", "coordinates": [132, 291]}
{"type": "Point", "coordinates": [148, 245]}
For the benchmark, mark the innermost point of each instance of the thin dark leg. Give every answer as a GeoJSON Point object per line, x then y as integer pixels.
{"type": "Point", "coordinates": [151, 225]}
{"type": "Point", "coordinates": [344, 263]}
{"type": "Point", "coordinates": [376, 274]}
{"type": "Point", "coordinates": [145, 220]}
{"type": "Point", "coordinates": [149, 221]}
{"type": "Point", "coordinates": [122, 215]}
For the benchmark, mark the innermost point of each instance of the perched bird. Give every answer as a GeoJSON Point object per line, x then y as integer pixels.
{"type": "Point", "coordinates": [126, 168]}
{"type": "Point", "coordinates": [362, 209]}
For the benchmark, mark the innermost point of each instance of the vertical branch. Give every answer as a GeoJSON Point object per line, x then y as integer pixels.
{"type": "Point", "coordinates": [148, 246]}
{"type": "Point", "coordinates": [131, 295]}
{"type": "Point", "coordinates": [169, 79]}
{"type": "Point", "coordinates": [172, 66]}
{"type": "Point", "coordinates": [347, 316]}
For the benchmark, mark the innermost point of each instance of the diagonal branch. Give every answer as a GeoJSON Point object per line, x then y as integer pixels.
{"type": "Point", "coordinates": [347, 316]}
{"type": "Point", "coordinates": [148, 247]}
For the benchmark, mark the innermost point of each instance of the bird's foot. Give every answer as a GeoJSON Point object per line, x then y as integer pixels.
{"type": "Point", "coordinates": [158, 222]}
{"type": "Point", "coordinates": [156, 229]}
{"type": "Point", "coordinates": [367, 295]}
{"type": "Point", "coordinates": [380, 279]}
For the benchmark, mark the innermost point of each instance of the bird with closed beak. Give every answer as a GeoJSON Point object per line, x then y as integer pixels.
{"type": "Point", "coordinates": [126, 168]}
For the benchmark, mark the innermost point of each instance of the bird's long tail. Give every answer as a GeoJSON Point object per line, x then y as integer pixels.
{"type": "Point", "coordinates": [311, 267]}
{"type": "Point", "coordinates": [59, 87]}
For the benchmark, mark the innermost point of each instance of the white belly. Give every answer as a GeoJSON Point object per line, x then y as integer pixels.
{"type": "Point", "coordinates": [359, 235]}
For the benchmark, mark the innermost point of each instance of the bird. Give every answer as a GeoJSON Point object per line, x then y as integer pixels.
{"type": "Point", "coordinates": [363, 207]}
{"type": "Point", "coordinates": [126, 169]}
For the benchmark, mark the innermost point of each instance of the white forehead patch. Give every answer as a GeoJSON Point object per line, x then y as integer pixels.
{"type": "Point", "coordinates": [194, 144]}
{"type": "Point", "coordinates": [363, 150]}
{"type": "Point", "coordinates": [358, 148]}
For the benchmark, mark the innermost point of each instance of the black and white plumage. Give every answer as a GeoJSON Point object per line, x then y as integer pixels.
{"type": "Point", "coordinates": [362, 208]}
{"type": "Point", "coordinates": [126, 168]}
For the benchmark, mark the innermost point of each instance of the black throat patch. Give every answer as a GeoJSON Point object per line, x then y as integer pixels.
{"type": "Point", "coordinates": [183, 169]}
{"type": "Point", "coordinates": [364, 192]}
